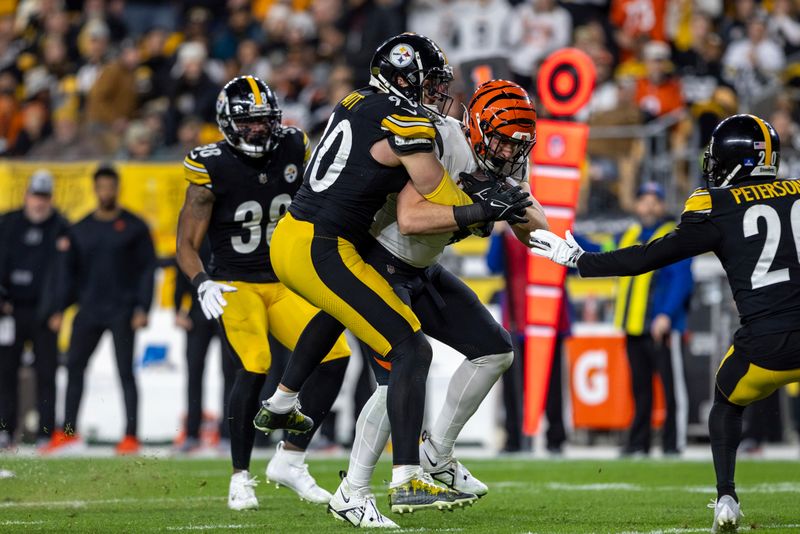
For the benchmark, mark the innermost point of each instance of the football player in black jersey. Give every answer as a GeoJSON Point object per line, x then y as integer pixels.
{"type": "Point", "coordinates": [377, 139]}
{"type": "Point", "coordinates": [751, 221]}
{"type": "Point", "coordinates": [239, 188]}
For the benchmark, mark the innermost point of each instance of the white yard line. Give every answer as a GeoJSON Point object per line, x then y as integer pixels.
{"type": "Point", "coordinates": [82, 503]}
{"type": "Point", "coordinates": [689, 530]}
{"type": "Point", "coordinates": [213, 527]}
{"type": "Point", "coordinates": [772, 487]}
{"type": "Point", "coordinates": [13, 523]}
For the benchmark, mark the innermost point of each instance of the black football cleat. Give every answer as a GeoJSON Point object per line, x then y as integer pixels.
{"type": "Point", "coordinates": [294, 421]}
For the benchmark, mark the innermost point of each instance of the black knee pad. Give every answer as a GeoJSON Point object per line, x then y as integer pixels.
{"type": "Point", "coordinates": [249, 381]}
{"type": "Point", "coordinates": [333, 368]}
{"type": "Point", "coordinates": [415, 347]}
{"type": "Point", "coordinates": [719, 397]}
{"type": "Point", "coordinates": [503, 340]}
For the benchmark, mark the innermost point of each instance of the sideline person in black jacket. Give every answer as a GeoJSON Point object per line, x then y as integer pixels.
{"type": "Point", "coordinates": [109, 272]}
{"type": "Point", "coordinates": [31, 239]}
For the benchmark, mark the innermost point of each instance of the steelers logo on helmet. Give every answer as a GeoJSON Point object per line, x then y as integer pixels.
{"type": "Point", "coordinates": [401, 55]}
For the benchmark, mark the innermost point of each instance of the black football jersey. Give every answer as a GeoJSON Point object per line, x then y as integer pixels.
{"type": "Point", "coordinates": [250, 196]}
{"type": "Point", "coordinates": [343, 186]}
{"type": "Point", "coordinates": [753, 228]}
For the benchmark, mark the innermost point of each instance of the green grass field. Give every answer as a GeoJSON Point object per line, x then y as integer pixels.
{"type": "Point", "coordinates": [146, 495]}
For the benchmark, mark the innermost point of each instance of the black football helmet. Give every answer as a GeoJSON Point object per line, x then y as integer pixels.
{"type": "Point", "coordinates": [407, 64]}
{"type": "Point", "coordinates": [248, 116]}
{"type": "Point", "coordinates": [741, 146]}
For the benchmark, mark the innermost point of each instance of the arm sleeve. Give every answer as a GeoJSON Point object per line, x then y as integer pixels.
{"type": "Point", "coordinates": [448, 193]}
{"type": "Point", "coordinates": [696, 234]}
{"type": "Point", "coordinates": [680, 288]}
{"type": "Point", "coordinates": [146, 256]}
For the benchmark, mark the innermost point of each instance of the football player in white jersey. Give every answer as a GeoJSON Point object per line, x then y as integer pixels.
{"type": "Point", "coordinates": [495, 141]}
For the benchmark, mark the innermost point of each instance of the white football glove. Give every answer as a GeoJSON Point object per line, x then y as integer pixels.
{"type": "Point", "coordinates": [562, 251]}
{"type": "Point", "coordinates": [209, 293]}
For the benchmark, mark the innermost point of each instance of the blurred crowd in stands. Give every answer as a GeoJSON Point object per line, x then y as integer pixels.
{"type": "Point", "coordinates": [137, 80]}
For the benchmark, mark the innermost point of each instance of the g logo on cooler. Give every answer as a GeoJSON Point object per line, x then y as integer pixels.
{"type": "Point", "coordinates": [590, 377]}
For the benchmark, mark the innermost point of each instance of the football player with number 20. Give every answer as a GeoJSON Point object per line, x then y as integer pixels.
{"type": "Point", "coordinates": [751, 220]}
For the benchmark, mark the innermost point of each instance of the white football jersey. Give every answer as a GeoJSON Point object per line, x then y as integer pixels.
{"type": "Point", "coordinates": [424, 250]}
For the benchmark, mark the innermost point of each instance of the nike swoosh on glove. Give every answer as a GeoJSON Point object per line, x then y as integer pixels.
{"type": "Point", "coordinates": [209, 293]}
{"type": "Point", "coordinates": [562, 251]}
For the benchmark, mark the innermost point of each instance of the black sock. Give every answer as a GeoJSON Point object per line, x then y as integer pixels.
{"type": "Point", "coordinates": [725, 430]}
{"type": "Point", "coordinates": [315, 343]}
{"type": "Point", "coordinates": [406, 396]}
{"type": "Point", "coordinates": [318, 395]}
{"type": "Point", "coordinates": [242, 408]}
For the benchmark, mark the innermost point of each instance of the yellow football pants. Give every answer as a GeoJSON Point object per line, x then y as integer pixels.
{"type": "Point", "coordinates": [255, 310]}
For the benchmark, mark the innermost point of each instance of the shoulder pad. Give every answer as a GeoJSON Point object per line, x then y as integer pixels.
{"type": "Point", "coordinates": [699, 202]}
{"type": "Point", "coordinates": [195, 164]}
{"type": "Point", "coordinates": [406, 125]}
{"type": "Point", "coordinates": [404, 146]}
{"type": "Point", "coordinates": [352, 99]}
{"type": "Point", "coordinates": [400, 117]}
{"type": "Point", "coordinates": [299, 136]}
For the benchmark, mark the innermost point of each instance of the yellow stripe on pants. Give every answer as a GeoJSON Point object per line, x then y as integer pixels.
{"type": "Point", "coordinates": [291, 256]}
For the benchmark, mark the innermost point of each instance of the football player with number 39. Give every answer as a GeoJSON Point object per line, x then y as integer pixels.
{"type": "Point", "coordinates": [751, 220]}
{"type": "Point", "coordinates": [238, 190]}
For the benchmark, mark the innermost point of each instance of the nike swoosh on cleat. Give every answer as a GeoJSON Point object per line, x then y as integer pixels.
{"type": "Point", "coordinates": [344, 498]}
{"type": "Point", "coordinates": [434, 464]}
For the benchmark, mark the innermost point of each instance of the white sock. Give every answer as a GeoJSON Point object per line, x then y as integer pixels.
{"type": "Point", "coordinates": [372, 433]}
{"type": "Point", "coordinates": [292, 457]}
{"type": "Point", "coordinates": [282, 401]}
{"type": "Point", "coordinates": [469, 386]}
{"type": "Point", "coordinates": [403, 473]}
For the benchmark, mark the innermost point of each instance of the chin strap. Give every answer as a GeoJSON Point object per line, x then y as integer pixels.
{"type": "Point", "coordinates": [730, 176]}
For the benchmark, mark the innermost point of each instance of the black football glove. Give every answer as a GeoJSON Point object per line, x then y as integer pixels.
{"type": "Point", "coordinates": [475, 188]}
{"type": "Point", "coordinates": [506, 203]}
{"type": "Point", "coordinates": [493, 201]}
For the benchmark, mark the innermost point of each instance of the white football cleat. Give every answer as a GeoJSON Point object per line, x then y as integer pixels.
{"type": "Point", "coordinates": [242, 493]}
{"type": "Point", "coordinates": [288, 469]}
{"type": "Point", "coordinates": [726, 514]}
{"type": "Point", "coordinates": [358, 507]}
{"type": "Point", "coordinates": [448, 471]}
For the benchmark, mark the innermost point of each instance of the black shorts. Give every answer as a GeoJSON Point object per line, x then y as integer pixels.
{"type": "Point", "coordinates": [447, 308]}
{"type": "Point", "coordinates": [756, 366]}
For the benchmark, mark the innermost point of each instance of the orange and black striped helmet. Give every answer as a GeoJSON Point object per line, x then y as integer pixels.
{"type": "Point", "coordinates": [501, 126]}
